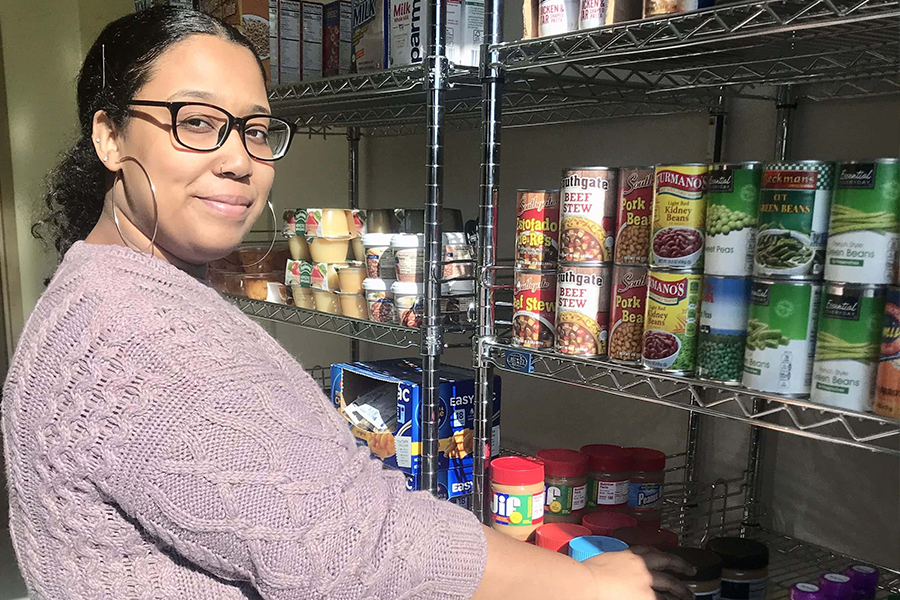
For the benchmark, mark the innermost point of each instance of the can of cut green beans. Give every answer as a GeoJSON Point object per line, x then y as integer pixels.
{"type": "Point", "coordinates": [781, 336]}
{"type": "Point", "coordinates": [731, 211]}
{"type": "Point", "coordinates": [723, 328]}
{"type": "Point", "coordinates": [792, 227]}
{"type": "Point", "coordinates": [865, 222]}
{"type": "Point", "coordinates": [848, 345]}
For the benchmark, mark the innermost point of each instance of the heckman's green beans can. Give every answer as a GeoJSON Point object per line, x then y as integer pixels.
{"type": "Point", "coordinates": [731, 210]}
{"type": "Point", "coordinates": [792, 228]}
{"type": "Point", "coordinates": [865, 222]}
{"type": "Point", "coordinates": [781, 336]}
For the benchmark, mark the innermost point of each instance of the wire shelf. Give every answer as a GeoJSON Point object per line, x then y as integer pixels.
{"type": "Point", "coordinates": [788, 415]}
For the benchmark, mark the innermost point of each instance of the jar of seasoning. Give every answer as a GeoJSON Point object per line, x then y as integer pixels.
{"type": "Point", "coordinates": [706, 582]}
{"type": "Point", "coordinates": [835, 586]}
{"type": "Point", "coordinates": [806, 591]}
{"type": "Point", "coordinates": [608, 477]}
{"type": "Point", "coordinates": [565, 482]}
{"type": "Point", "coordinates": [517, 499]}
{"type": "Point", "coordinates": [745, 567]}
{"type": "Point", "coordinates": [864, 580]}
{"type": "Point", "coordinates": [604, 523]}
{"type": "Point", "coordinates": [641, 535]}
{"type": "Point", "coordinates": [589, 546]}
{"type": "Point", "coordinates": [645, 490]}
{"type": "Point", "coordinates": [556, 536]}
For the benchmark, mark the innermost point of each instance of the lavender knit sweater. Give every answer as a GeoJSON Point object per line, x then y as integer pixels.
{"type": "Point", "coordinates": [160, 445]}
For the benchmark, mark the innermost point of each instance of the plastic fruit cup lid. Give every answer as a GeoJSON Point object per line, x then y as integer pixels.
{"type": "Point", "coordinates": [661, 539]}
{"type": "Point", "coordinates": [408, 240]}
{"type": "Point", "coordinates": [556, 536]}
{"type": "Point", "coordinates": [559, 462]}
{"type": "Point", "coordinates": [377, 239]}
{"type": "Point", "coordinates": [408, 288]}
{"type": "Point", "coordinates": [604, 523]}
{"type": "Point", "coordinates": [604, 457]}
{"type": "Point", "coordinates": [583, 548]}
{"type": "Point", "coordinates": [377, 285]}
{"type": "Point", "coordinates": [863, 577]}
{"type": "Point", "coordinates": [647, 459]}
{"type": "Point", "coordinates": [707, 563]}
{"type": "Point", "coordinates": [517, 470]}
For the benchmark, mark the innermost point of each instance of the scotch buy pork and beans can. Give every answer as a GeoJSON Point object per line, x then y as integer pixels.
{"type": "Point", "coordinates": [633, 214]}
{"type": "Point", "coordinates": [723, 328]}
{"type": "Point", "coordinates": [582, 308]}
{"type": "Point", "coordinates": [588, 214]}
{"type": "Point", "coordinates": [792, 227]}
{"type": "Point", "coordinates": [731, 211]}
{"type": "Point", "coordinates": [626, 320]}
{"type": "Point", "coordinates": [679, 216]}
{"type": "Point", "coordinates": [534, 308]}
{"type": "Point", "coordinates": [887, 384]}
{"type": "Point", "coordinates": [537, 229]}
{"type": "Point", "coordinates": [670, 321]}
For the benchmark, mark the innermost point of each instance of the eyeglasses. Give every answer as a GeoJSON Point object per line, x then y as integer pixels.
{"type": "Point", "coordinates": [205, 127]}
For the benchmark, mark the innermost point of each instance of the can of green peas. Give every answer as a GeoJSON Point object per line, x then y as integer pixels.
{"type": "Point", "coordinates": [723, 328]}
{"type": "Point", "coordinates": [732, 208]}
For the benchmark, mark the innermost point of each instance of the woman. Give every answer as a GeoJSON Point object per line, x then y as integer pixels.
{"type": "Point", "coordinates": [160, 444]}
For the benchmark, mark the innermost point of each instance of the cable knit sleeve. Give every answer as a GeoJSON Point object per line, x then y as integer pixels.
{"type": "Point", "coordinates": [217, 444]}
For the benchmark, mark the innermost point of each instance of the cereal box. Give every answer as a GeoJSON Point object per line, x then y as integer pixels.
{"type": "Point", "coordinates": [337, 39]}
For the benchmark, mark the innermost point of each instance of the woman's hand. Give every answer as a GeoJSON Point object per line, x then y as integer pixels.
{"type": "Point", "coordinates": [639, 574]}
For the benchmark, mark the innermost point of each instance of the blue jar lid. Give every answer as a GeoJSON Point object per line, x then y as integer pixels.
{"type": "Point", "coordinates": [588, 546]}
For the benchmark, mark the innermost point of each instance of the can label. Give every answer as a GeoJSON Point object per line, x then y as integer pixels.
{"type": "Point", "coordinates": [644, 496]}
{"type": "Point", "coordinates": [723, 328]}
{"type": "Point", "coordinates": [537, 229]}
{"type": "Point", "coordinates": [670, 324]}
{"type": "Point", "coordinates": [626, 322]}
{"type": "Point", "coordinates": [534, 309]}
{"type": "Point", "coordinates": [518, 510]}
{"type": "Point", "coordinates": [593, 14]}
{"type": "Point", "coordinates": [563, 500]}
{"type": "Point", "coordinates": [794, 204]}
{"type": "Point", "coordinates": [582, 309]}
{"type": "Point", "coordinates": [865, 223]}
{"type": "Point", "coordinates": [559, 16]}
{"type": "Point", "coordinates": [588, 216]}
{"type": "Point", "coordinates": [887, 386]}
{"type": "Point", "coordinates": [635, 205]}
{"type": "Point", "coordinates": [781, 336]}
{"type": "Point", "coordinates": [731, 220]}
{"type": "Point", "coordinates": [848, 346]}
{"type": "Point", "coordinates": [751, 589]}
{"type": "Point", "coordinates": [679, 216]}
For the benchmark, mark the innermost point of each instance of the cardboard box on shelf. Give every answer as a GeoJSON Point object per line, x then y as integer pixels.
{"type": "Point", "coordinates": [473, 32]}
{"type": "Point", "coordinates": [337, 39]}
{"type": "Point", "coordinates": [409, 32]}
{"type": "Point", "coordinates": [311, 46]}
{"type": "Point", "coordinates": [142, 4]}
{"type": "Point", "coordinates": [274, 78]}
{"type": "Point", "coordinates": [454, 485]}
{"type": "Point", "coordinates": [371, 30]}
{"type": "Point", "coordinates": [290, 21]}
{"type": "Point", "coordinates": [381, 401]}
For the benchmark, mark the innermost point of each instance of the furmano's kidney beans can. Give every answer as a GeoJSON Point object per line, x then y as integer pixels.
{"type": "Point", "coordinates": [679, 216]}
{"type": "Point", "coordinates": [626, 320]}
{"type": "Point", "coordinates": [534, 308]}
{"type": "Point", "coordinates": [670, 322]}
{"type": "Point", "coordinates": [723, 328]}
{"type": "Point", "coordinates": [887, 385]}
{"type": "Point", "coordinates": [582, 308]}
{"type": "Point", "coordinates": [537, 229]}
{"type": "Point", "coordinates": [588, 214]}
{"type": "Point", "coordinates": [634, 208]}
{"type": "Point", "coordinates": [731, 212]}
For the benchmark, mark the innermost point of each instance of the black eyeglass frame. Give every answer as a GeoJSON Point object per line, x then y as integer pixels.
{"type": "Point", "coordinates": [239, 122]}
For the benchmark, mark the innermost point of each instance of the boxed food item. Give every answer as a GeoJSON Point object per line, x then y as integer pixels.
{"type": "Point", "coordinates": [454, 485]}
{"type": "Point", "coordinates": [251, 17]}
{"type": "Point", "coordinates": [311, 47]}
{"type": "Point", "coordinates": [274, 78]}
{"type": "Point", "coordinates": [337, 39]}
{"type": "Point", "coordinates": [381, 401]}
{"type": "Point", "coordinates": [370, 35]}
{"type": "Point", "coordinates": [473, 32]}
{"type": "Point", "coordinates": [299, 41]}
{"type": "Point", "coordinates": [409, 31]}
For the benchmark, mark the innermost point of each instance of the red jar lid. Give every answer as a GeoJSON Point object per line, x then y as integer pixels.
{"type": "Point", "coordinates": [661, 539]}
{"type": "Point", "coordinates": [559, 462]}
{"type": "Point", "coordinates": [556, 536]}
{"type": "Point", "coordinates": [604, 523]}
{"type": "Point", "coordinates": [604, 457]}
{"type": "Point", "coordinates": [647, 459]}
{"type": "Point", "coordinates": [516, 470]}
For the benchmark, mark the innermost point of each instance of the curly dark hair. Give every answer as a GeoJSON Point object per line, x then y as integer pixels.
{"type": "Point", "coordinates": [76, 188]}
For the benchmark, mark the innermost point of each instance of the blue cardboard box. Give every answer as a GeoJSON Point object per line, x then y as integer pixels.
{"type": "Point", "coordinates": [381, 401]}
{"type": "Point", "coordinates": [454, 485]}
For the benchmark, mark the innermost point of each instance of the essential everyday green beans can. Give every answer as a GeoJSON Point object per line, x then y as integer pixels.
{"type": "Point", "coordinates": [848, 345]}
{"type": "Point", "coordinates": [865, 222]}
{"type": "Point", "coordinates": [731, 210]}
{"type": "Point", "coordinates": [723, 328]}
{"type": "Point", "coordinates": [781, 336]}
{"type": "Point", "coordinates": [792, 228]}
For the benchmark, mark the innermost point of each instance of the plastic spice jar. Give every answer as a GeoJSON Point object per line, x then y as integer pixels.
{"type": "Point", "coordinates": [745, 567]}
{"type": "Point", "coordinates": [379, 257]}
{"type": "Point", "coordinates": [565, 482]}
{"type": "Point", "coordinates": [608, 477]}
{"type": "Point", "coordinates": [409, 256]}
{"type": "Point", "coordinates": [706, 583]}
{"type": "Point", "coordinates": [380, 299]}
{"type": "Point", "coordinates": [604, 523]}
{"type": "Point", "coordinates": [556, 536]}
{"type": "Point", "coordinates": [806, 591]}
{"type": "Point", "coordinates": [645, 490]}
{"type": "Point", "coordinates": [835, 586]}
{"type": "Point", "coordinates": [589, 546]}
{"type": "Point", "coordinates": [517, 499]}
{"type": "Point", "coordinates": [864, 580]}
{"type": "Point", "coordinates": [641, 535]}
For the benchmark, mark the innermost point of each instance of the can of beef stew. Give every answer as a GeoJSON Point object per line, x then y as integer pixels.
{"type": "Point", "coordinates": [537, 229]}
{"type": "Point", "coordinates": [633, 214]}
{"type": "Point", "coordinates": [582, 308]}
{"type": "Point", "coordinates": [626, 320]}
{"type": "Point", "coordinates": [723, 328]}
{"type": "Point", "coordinates": [887, 384]}
{"type": "Point", "coordinates": [588, 215]}
{"type": "Point", "coordinates": [534, 308]}
{"type": "Point", "coordinates": [731, 213]}
{"type": "Point", "coordinates": [792, 227]}
{"type": "Point", "coordinates": [679, 216]}
{"type": "Point", "coordinates": [670, 321]}
{"type": "Point", "coordinates": [781, 336]}
{"type": "Point", "coordinates": [865, 222]}
{"type": "Point", "coordinates": [848, 345]}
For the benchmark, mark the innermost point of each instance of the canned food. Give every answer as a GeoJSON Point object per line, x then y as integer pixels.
{"type": "Point", "coordinates": [887, 385]}
{"type": "Point", "coordinates": [848, 345]}
{"type": "Point", "coordinates": [731, 212]}
{"type": "Point", "coordinates": [534, 308]}
{"type": "Point", "coordinates": [537, 229]}
{"type": "Point", "coordinates": [670, 323]}
{"type": "Point", "coordinates": [679, 216]}
{"type": "Point", "coordinates": [781, 336]}
{"type": "Point", "coordinates": [588, 215]}
{"type": "Point", "coordinates": [723, 328]}
{"type": "Point", "coordinates": [665, 7]}
{"type": "Point", "coordinates": [792, 228]}
{"type": "Point", "coordinates": [626, 322]}
{"type": "Point", "coordinates": [635, 205]}
{"type": "Point", "coordinates": [865, 222]}
{"type": "Point", "coordinates": [582, 308]}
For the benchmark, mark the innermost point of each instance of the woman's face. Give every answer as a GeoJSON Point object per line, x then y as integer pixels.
{"type": "Point", "coordinates": [207, 201]}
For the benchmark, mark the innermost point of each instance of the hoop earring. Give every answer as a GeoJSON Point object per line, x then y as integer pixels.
{"type": "Point", "coordinates": [119, 175]}
{"type": "Point", "coordinates": [271, 244]}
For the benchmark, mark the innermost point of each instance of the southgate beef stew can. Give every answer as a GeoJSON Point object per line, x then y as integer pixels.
{"type": "Point", "coordinates": [534, 308]}
{"type": "Point", "coordinates": [588, 214]}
